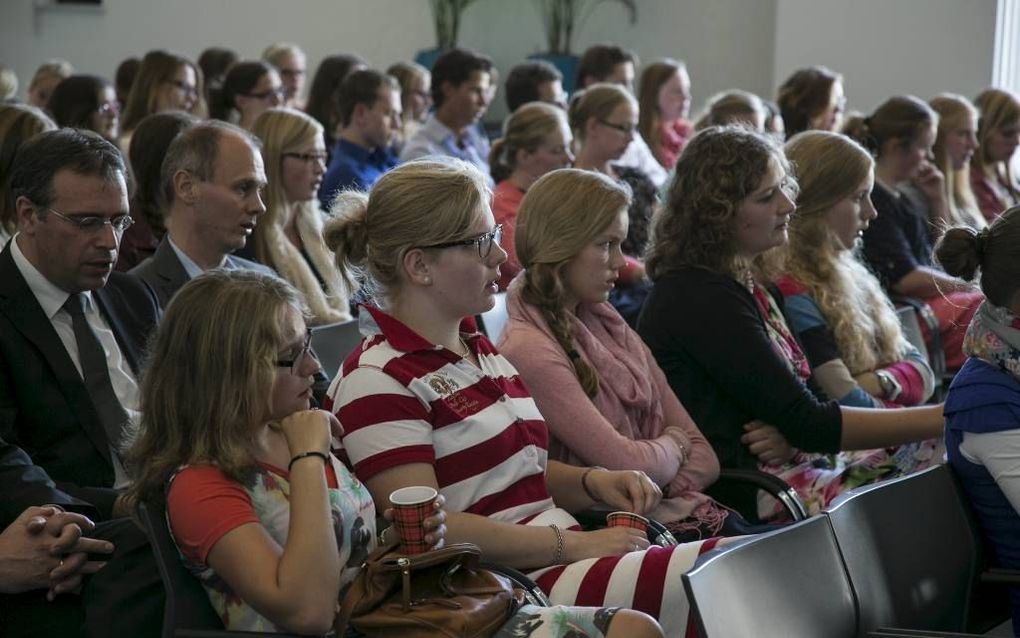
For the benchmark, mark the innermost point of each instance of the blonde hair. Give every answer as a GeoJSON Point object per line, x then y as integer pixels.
{"type": "Point", "coordinates": [406, 74]}
{"type": "Point", "coordinates": [955, 112]}
{"type": "Point", "coordinates": [829, 168]}
{"type": "Point", "coordinates": [18, 124]}
{"type": "Point", "coordinates": [597, 101]}
{"type": "Point", "coordinates": [732, 107]}
{"type": "Point", "coordinates": [524, 130]}
{"type": "Point", "coordinates": [8, 83]}
{"type": "Point", "coordinates": [157, 68]}
{"type": "Point", "coordinates": [284, 130]}
{"type": "Point", "coordinates": [209, 379]}
{"type": "Point", "coordinates": [275, 52]}
{"type": "Point", "coordinates": [55, 69]}
{"type": "Point", "coordinates": [998, 108]}
{"type": "Point", "coordinates": [419, 203]}
{"type": "Point", "coordinates": [562, 213]}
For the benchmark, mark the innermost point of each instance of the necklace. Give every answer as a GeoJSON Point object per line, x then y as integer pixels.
{"type": "Point", "coordinates": [467, 350]}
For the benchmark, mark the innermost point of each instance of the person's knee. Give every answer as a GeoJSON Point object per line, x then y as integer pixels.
{"type": "Point", "coordinates": [628, 623]}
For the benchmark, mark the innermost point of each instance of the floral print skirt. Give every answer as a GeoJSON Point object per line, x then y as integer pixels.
{"type": "Point", "coordinates": [558, 621]}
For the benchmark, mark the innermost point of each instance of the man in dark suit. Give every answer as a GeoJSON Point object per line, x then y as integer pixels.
{"type": "Point", "coordinates": [72, 335]}
{"type": "Point", "coordinates": [212, 183]}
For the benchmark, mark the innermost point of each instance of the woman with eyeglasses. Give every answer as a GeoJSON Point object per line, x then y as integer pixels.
{"type": "Point", "coordinates": [604, 119]}
{"type": "Point", "coordinates": [426, 401]}
{"type": "Point", "coordinates": [164, 82]}
{"type": "Point", "coordinates": [720, 336]}
{"type": "Point", "coordinates": [249, 89]}
{"type": "Point", "coordinates": [288, 237]}
{"type": "Point", "coordinates": [415, 96]}
{"type": "Point", "coordinates": [86, 102]}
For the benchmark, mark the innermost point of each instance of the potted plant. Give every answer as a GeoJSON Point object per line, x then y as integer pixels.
{"type": "Point", "coordinates": [446, 19]}
{"type": "Point", "coordinates": [560, 21]}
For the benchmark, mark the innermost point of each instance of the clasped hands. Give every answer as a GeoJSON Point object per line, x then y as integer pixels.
{"type": "Point", "coordinates": [767, 443]}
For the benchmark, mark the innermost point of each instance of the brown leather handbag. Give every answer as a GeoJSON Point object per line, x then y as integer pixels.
{"type": "Point", "coordinates": [442, 592]}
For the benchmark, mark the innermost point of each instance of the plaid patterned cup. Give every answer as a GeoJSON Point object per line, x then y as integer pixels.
{"type": "Point", "coordinates": [411, 506]}
{"type": "Point", "coordinates": [627, 519]}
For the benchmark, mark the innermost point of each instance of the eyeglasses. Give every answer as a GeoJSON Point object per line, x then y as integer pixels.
{"type": "Point", "coordinates": [626, 129]}
{"type": "Point", "coordinates": [292, 73]}
{"type": "Point", "coordinates": [308, 158]}
{"type": "Point", "coordinates": [265, 95]}
{"type": "Point", "coordinates": [484, 242]}
{"type": "Point", "coordinates": [298, 361]}
{"type": "Point", "coordinates": [187, 89]}
{"type": "Point", "coordinates": [92, 224]}
{"type": "Point", "coordinates": [108, 108]}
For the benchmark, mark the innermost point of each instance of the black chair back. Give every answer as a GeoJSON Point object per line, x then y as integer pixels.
{"type": "Point", "coordinates": [782, 584]}
{"type": "Point", "coordinates": [910, 551]}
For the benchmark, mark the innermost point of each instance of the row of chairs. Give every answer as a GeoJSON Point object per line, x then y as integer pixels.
{"type": "Point", "coordinates": [899, 558]}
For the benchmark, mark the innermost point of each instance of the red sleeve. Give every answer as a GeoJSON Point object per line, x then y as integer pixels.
{"type": "Point", "coordinates": [203, 505]}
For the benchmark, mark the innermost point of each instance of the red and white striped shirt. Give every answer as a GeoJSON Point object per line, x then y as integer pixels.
{"type": "Point", "coordinates": [402, 399]}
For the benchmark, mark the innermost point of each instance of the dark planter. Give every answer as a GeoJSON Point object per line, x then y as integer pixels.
{"type": "Point", "coordinates": [567, 65]}
{"type": "Point", "coordinates": [427, 57]}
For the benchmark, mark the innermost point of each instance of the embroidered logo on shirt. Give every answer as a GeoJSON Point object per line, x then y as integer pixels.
{"type": "Point", "coordinates": [442, 384]}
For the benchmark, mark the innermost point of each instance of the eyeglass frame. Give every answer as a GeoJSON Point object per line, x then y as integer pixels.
{"type": "Point", "coordinates": [295, 363]}
{"type": "Point", "coordinates": [308, 158]}
{"type": "Point", "coordinates": [626, 130]}
{"type": "Point", "coordinates": [279, 92]}
{"type": "Point", "coordinates": [124, 219]}
{"type": "Point", "coordinates": [493, 236]}
{"type": "Point", "coordinates": [188, 89]}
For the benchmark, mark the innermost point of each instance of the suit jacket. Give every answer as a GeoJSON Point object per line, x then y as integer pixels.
{"type": "Point", "coordinates": [165, 272]}
{"type": "Point", "coordinates": [45, 408]}
{"type": "Point", "coordinates": [23, 485]}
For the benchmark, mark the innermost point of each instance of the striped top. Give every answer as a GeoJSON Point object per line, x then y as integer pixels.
{"type": "Point", "coordinates": [402, 399]}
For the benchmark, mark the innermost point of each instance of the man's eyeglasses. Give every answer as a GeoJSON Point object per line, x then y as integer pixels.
{"type": "Point", "coordinates": [298, 361]}
{"type": "Point", "coordinates": [308, 158]}
{"type": "Point", "coordinates": [626, 129]}
{"type": "Point", "coordinates": [484, 242]}
{"type": "Point", "coordinates": [185, 88]}
{"type": "Point", "coordinates": [265, 95]}
{"type": "Point", "coordinates": [91, 224]}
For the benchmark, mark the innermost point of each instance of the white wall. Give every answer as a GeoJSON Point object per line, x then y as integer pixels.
{"type": "Point", "coordinates": [726, 42]}
{"type": "Point", "coordinates": [889, 47]}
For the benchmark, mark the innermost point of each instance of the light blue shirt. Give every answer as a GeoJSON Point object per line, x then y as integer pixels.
{"type": "Point", "coordinates": [190, 267]}
{"type": "Point", "coordinates": [435, 138]}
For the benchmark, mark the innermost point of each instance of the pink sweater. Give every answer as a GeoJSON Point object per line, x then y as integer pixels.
{"type": "Point", "coordinates": [635, 422]}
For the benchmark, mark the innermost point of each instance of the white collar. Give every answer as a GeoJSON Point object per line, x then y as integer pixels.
{"type": "Point", "coordinates": [50, 296]}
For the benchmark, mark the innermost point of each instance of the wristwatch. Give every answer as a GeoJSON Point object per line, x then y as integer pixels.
{"type": "Point", "coordinates": [891, 388]}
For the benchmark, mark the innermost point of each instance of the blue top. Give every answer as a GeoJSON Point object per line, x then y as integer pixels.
{"type": "Point", "coordinates": [434, 138]}
{"type": "Point", "coordinates": [353, 167]}
{"type": "Point", "coordinates": [897, 241]}
{"type": "Point", "coordinates": [982, 399]}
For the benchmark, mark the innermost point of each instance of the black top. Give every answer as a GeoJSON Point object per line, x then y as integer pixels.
{"type": "Point", "coordinates": [897, 241]}
{"type": "Point", "coordinates": [709, 338]}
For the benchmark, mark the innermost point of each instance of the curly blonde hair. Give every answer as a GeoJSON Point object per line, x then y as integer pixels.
{"type": "Point", "coordinates": [716, 171]}
{"type": "Point", "coordinates": [561, 214]}
{"type": "Point", "coordinates": [829, 168]}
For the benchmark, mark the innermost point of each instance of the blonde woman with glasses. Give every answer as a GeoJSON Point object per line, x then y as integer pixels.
{"type": "Point", "coordinates": [164, 82]}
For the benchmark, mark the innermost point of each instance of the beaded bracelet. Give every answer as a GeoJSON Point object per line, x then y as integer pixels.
{"type": "Point", "coordinates": [584, 482]}
{"type": "Point", "coordinates": [558, 555]}
{"type": "Point", "coordinates": [304, 455]}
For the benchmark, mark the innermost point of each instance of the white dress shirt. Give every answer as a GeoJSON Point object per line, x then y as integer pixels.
{"type": "Point", "coordinates": [638, 155]}
{"type": "Point", "coordinates": [52, 299]}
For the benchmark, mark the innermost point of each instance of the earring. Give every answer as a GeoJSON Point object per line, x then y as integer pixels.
{"type": "Point", "coordinates": [428, 281]}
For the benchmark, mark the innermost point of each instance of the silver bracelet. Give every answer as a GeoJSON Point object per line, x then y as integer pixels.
{"type": "Point", "coordinates": [558, 556]}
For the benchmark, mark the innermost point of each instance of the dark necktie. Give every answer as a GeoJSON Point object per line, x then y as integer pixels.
{"type": "Point", "coordinates": [96, 372]}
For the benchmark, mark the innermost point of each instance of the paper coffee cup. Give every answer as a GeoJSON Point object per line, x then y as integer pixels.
{"type": "Point", "coordinates": [411, 506]}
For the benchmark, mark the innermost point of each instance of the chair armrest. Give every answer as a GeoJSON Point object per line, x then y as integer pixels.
{"type": "Point", "coordinates": [936, 355]}
{"type": "Point", "coordinates": [774, 485]}
{"type": "Point", "coordinates": [532, 592]}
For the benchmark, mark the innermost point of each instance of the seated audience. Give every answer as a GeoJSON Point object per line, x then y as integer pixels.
{"type": "Point", "coordinates": [604, 119]}
{"type": "Point", "coordinates": [955, 145]}
{"type": "Point", "coordinates": [165, 82]}
{"type": "Point", "coordinates": [46, 78]}
{"type": "Point", "coordinates": [415, 98]}
{"type": "Point", "coordinates": [250, 87]}
{"type": "Point", "coordinates": [370, 110]}
{"type": "Point", "coordinates": [408, 396]}
{"type": "Point", "coordinates": [991, 171]}
{"type": "Point", "coordinates": [603, 398]}
{"type": "Point", "coordinates": [534, 81]}
{"type": "Point", "coordinates": [898, 243]}
{"type": "Point", "coordinates": [845, 323]}
{"type": "Point", "coordinates": [733, 107]}
{"type": "Point", "coordinates": [288, 237]}
{"type": "Point", "coordinates": [211, 196]}
{"type": "Point", "coordinates": [536, 139]}
{"type": "Point", "coordinates": [460, 94]}
{"type": "Point", "coordinates": [124, 79]}
{"type": "Point", "coordinates": [983, 406]}
{"type": "Point", "coordinates": [153, 135]}
{"type": "Point", "coordinates": [323, 95]}
{"type": "Point", "coordinates": [721, 339]}
{"type": "Point", "coordinates": [289, 61]}
{"type": "Point", "coordinates": [608, 63]}
{"type": "Point", "coordinates": [86, 102]}
{"type": "Point", "coordinates": [215, 62]}
{"type": "Point", "coordinates": [18, 124]}
{"type": "Point", "coordinates": [811, 98]}
{"type": "Point", "coordinates": [664, 100]}
{"type": "Point", "coordinates": [273, 553]}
